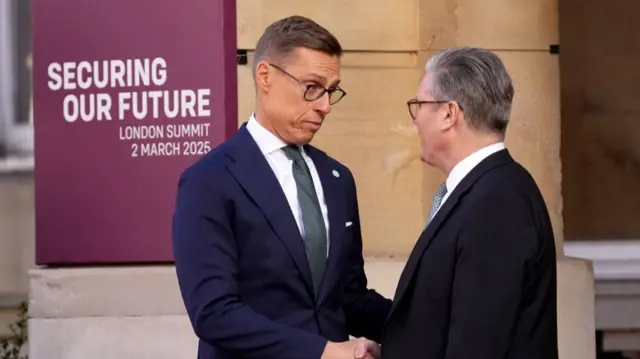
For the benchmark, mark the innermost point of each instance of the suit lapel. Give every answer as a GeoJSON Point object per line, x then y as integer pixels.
{"type": "Point", "coordinates": [444, 212]}
{"type": "Point", "coordinates": [333, 190]}
{"type": "Point", "coordinates": [423, 243]}
{"type": "Point", "coordinates": [254, 174]}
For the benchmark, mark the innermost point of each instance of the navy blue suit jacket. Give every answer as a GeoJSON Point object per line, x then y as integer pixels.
{"type": "Point", "coordinates": [242, 267]}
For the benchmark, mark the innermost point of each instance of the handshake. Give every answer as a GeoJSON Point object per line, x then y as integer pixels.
{"type": "Point", "coordinates": [361, 348]}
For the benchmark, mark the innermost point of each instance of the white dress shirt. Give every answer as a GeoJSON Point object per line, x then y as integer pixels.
{"type": "Point", "coordinates": [462, 169]}
{"type": "Point", "coordinates": [271, 147]}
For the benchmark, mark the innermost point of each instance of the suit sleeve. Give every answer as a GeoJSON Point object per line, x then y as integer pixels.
{"type": "Point", "coordinates": [495, 245]}
{"type": "Point", "coordinates": [365, 309]}
{"type": "Point", "coordinates": [206, 257]}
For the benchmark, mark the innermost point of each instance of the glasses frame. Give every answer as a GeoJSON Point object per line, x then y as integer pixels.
{"type": "Point", "coordinates": [308, 87]}
{"type": "Point", "coordinates": [419, 103]}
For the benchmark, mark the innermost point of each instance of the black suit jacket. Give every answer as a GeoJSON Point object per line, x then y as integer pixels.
{"type": "Point", "coordinates": [242, 267]}
{"type": "Point", "coordinates": [480, 282]}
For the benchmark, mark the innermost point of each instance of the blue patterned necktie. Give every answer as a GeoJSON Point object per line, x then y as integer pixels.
{"type": "Point", "coordinates": [437, 199]}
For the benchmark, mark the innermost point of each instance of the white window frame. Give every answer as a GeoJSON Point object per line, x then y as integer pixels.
{"type": "Point", "coordinates": [15, 137]}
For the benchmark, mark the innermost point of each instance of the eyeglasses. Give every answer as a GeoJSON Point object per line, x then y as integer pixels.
{"type": "Point", "coordinates": [414, 106]}
{"type": "Point", "coordinates": [314, 91]}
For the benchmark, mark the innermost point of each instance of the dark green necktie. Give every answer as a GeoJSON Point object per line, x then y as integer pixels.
{"type": "Point", "coordinates": [315, 232]}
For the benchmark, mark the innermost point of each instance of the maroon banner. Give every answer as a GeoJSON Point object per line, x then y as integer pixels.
{"type": "Point", "coordinates": [127, 94]}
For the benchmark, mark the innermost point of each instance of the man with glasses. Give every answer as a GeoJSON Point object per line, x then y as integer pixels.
{"type": "Point", "coordinates": [481, 280]}
{"type": "Point", "coordinates": [266, 231]}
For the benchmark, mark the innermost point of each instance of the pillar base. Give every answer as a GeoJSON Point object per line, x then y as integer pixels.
{"type": "Point", "coordinates": [137, 312]}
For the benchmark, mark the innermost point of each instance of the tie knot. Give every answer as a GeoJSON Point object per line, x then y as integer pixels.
{"type": "Point", "coordinates": [293, 152]}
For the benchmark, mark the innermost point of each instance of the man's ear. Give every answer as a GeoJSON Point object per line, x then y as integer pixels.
{"type": "Point", "coordinates": [263, 80]}
{"type": "Point", "coordinates": [453, 115]}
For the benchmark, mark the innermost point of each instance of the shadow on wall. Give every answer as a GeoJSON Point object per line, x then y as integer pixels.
{"type": "Point", "coordinates": [600, 119]}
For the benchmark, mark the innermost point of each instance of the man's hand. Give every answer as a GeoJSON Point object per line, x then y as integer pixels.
{"type": "Point", "coordinates": [366, 348]}
{"type": "Point", "coordinates": [360, 348]}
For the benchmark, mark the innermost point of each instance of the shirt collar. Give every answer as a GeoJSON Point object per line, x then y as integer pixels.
{"type": "Point", "coordinates": [267, 141]}
{"type": "Point", "coordinates": [465, 166]}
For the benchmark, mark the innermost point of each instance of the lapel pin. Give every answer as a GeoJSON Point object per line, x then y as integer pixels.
{"type": "Point", "coordinates": [335, 173]}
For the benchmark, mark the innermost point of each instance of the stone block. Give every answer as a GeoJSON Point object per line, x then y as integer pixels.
{"type": "Point", "coordinates": [494, 24]}
{"type": "Point", "coordinates": [382, 25]}
{"type": "Point", "coordinates": [104, 292]}
{"type": "Point", "coordinates": [576, 303]}
{"type": "Point", "coordinates": [145, 337]}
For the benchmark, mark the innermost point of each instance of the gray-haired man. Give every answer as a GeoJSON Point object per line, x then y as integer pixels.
{"type": "Point", "coordinates": [481, 280]}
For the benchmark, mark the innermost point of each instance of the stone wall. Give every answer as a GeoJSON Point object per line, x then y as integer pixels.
{"type": "Point", "coordinates": [81, 313]}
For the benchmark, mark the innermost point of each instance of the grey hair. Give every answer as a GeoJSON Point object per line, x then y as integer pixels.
{"type": "Point", "coordinates": [477, 80]}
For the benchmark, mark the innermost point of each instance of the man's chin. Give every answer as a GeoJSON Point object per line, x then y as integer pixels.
{"type": "Point", "coordinates": [305, 138]}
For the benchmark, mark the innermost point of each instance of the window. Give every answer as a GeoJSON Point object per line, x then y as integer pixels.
{"type": "Point", "coordinates": [16, 104]}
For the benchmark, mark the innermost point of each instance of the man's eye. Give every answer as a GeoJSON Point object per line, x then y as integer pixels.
{"type": "Point", "coordinates": [315, 88]}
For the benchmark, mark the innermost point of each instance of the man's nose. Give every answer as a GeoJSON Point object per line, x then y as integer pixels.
{"type": "Point", "coordinates": [323, 104]}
